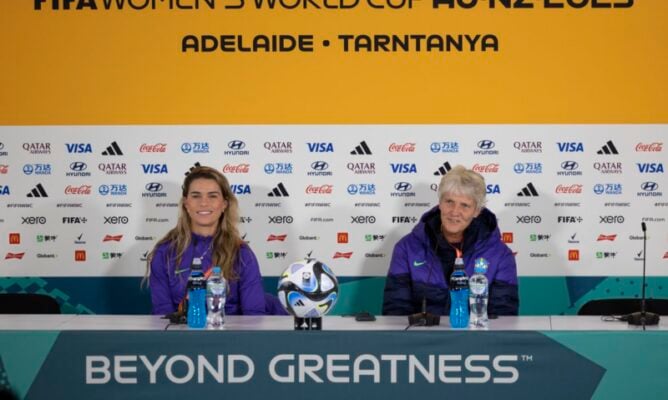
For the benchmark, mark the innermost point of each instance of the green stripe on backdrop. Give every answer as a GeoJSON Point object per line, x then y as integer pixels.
{"type": "Point", "coordinates": [556, 295]}
{"type": "Point", "coordinates": [22, 354]}
{"type": "Point", "coordinates": [638, 349]}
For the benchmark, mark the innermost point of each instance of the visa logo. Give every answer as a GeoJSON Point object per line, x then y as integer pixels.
{"type": "Point", "coordinates": [79, 147]}
{"type": "Point", "coordinates": [321, 147]}
{"type": "Point", "coordinates": [570, 147]}
{"type": "Point", "coordinates": [240, 189]}
{"type": "Point", "coordinates": [4, 190]}
{"type": "Point", "coordinates": [493, 189]}
{"type": "Point", "coordinates": [653, 168]}
{"type": "Point", "coordinates": [403, 168]}
{"type": "Point", "coordinates": [154, 168]}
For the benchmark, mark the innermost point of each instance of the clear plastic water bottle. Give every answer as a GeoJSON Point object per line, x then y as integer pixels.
{"type": "Point", "coordinates": [196, 296]}
{"type": "Point", "coordinates": [479, 292]}
{"type": "Point", "coordinates": [459, 296]}
{"type": "Point", "coordinates": [216, 291]}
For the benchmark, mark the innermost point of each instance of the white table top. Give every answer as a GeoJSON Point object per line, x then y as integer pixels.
{"type": "Point", "coordinates": [330, 323]}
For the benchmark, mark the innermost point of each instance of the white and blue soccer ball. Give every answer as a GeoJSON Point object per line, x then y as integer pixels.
{"type": "Point", "coordinates": [308, 289]}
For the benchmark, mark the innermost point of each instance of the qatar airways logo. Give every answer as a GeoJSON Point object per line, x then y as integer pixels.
{"type": "Point", "coordinates": [236, 169]}
{"type": "Point", "coordinates": [402, 148]}
{"type": "Point", "coordinates": [153, 148]}
{"type": "Point", "coordinates": [653, 147]}
{"type": "Point", "coordinates": [83, 190]}
{"type": "Point", "coordinates": [322, 189]}
{"type": "Point", "coordinates": [568, 189]}
{"type": "Point", "coordinates": [529, 147]}
{"type": "Point", "coordinates": [491, 168]}
{"type": "Point", "coordinates": [278, 147]}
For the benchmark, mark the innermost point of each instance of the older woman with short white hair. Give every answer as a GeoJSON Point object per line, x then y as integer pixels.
{"type": "Point", "coordinates": [423, 260]}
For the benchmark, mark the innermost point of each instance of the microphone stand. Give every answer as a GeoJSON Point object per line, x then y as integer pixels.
{"type": "Point", "coordinates": [643, 318]}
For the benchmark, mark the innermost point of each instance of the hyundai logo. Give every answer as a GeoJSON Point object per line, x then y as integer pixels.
{"type": "Point", "coordinates": [485, 144]}
{"type": "Point", "coordinates": [598, 188]}
{"type": "Point", "coordinates": [269, 168]}
{"type": "Point", "coordinates": [319, 165]}
{"type": "Point", "coordinates": [352, 189]}
{"type": "Point", "coordinates": [104, 190]}
{"type": "Point", "coordinates": [187, 147]}
{"type": "Point", "coordinates": [569, 165]}
{"type": "Point", "coordinates": [78, 166]}
{"type": "Point", "coordinates": [402, 186]}
{"type": "Point", "coordinates": [518, 168]}
{"type": "Point", "coordinates": [649, 186]}
{"type": "Point", "coordinates": [153, 187]}
{"type": "Point", "coordinates": [2, 145]}
{"type": "Point", "coordinates": [236, 145]}
{"type": "Point", "coordinates": [28, 169]}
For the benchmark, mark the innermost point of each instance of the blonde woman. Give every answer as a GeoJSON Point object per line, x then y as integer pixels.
{"type": "Point", "coordinates": [206, 229]}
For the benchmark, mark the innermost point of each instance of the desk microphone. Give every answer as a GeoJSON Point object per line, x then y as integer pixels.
{"type": "Point", "coordinates": [643, 318]}
{"type": "Point", "coordinates": [424, 318]}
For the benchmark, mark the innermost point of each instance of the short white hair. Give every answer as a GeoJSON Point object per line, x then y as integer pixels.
{"type": "Point", "coordinates": [464, 182]}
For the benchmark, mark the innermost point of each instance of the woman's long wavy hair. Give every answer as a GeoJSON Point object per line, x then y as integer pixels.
{"type": "Point", "coordinates": [226, 239]}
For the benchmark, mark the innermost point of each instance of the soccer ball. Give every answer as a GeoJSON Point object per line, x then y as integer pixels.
{"type": "Point", "coordinates": [308, 289]}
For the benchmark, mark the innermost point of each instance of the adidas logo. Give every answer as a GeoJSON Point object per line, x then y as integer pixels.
{"type": "Point", "coordinates": [196, 165]}
{"type": "Point", "coordinates": [528, 191]}
{"type": "Point", "coordinates": [38, 191]}
{"type": "Point", "coordinates": [361, 150]}
{"type": "Point", "coordinates": [444, 169]}
{"type": "Point", "coordinates": [299, 303]}
{"type": "Point", "coordinates": [113, 150]}
{"type": "Point", "coordinates": [279, 191]}
{"type": "Point", "coordinates": [608, 148]}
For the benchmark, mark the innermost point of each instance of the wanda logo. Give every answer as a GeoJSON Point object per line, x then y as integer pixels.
{"type": "Point", "coordinates": [81, 190]}
{"type": "Point", "coordinates": [153, 148]}
{"type": "Point", "coordinates": [486, 169]}
{"type": "Point", "coordinates": [323, 189]}
{"type": "Point", "coordinates": [402, 148]}
{"type": "Point", "coordinates": [236, 169]}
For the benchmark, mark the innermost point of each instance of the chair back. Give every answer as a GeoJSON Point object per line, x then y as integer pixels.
{"type": "Point", "coordinates": [28, 303]}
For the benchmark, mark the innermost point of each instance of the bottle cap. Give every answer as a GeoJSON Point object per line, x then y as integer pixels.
{"type": "Point", "coordinates": [216, 270]}
{"type": "Point", "coordinates": [480, 265]}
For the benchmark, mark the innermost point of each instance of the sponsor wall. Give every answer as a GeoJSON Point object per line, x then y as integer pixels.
{"type": "Point", "coordinates": [106, 104]}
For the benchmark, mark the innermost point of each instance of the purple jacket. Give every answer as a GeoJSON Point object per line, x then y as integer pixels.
{"type": "Point", "coordinates": [168, 283]}
{"type": "Point", "coordinates": [422, 263]}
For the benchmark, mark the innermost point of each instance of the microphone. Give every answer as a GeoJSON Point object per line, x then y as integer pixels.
{"type": "Point", "coordinates": [643, 317]}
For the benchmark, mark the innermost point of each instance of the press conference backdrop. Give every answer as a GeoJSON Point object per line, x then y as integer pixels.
{"type": "Point", "coordinates": [106, 104]}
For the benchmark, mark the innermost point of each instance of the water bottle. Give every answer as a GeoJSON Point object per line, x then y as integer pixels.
{"type": "Point", "coordinates": [459, 296]}
{"type": "Point", "coordinates": [216, 291]}
{"type": "Point", "coordinates": [479, 287]}
{"type": "Point", "coordinates": [196, 296]}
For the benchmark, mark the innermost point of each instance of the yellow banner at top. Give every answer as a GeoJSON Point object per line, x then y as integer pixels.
{"type": "Point", "coordinates": [333, 61]}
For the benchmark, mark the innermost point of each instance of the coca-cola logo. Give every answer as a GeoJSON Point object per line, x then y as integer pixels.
{"type": "Point", "coordinates": [568, 189]}
{"type": "Point", "coordinates": [323, 189]}
{"type": "Point", "coordinates": [4, 169]}
{"type": "Point", "coordinates": [486, 168]}
{"type": "Point", "coordinates": [650, 147]}
{"type": "Point", "coordinates": [78, 190]}
{"type": "Point", "coordinates": [153, 148]}
{"type": "Point", "coordinates": [402, 148]}
{"type": "Point", "coordinates": [236, 169]}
